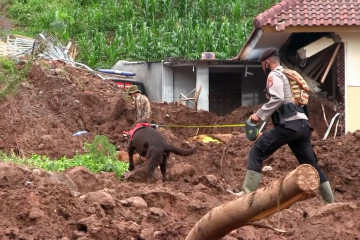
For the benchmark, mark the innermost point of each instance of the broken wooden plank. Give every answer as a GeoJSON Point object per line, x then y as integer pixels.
{"type": "Point", "coordinates": [330, 63]}
{"type": "Point", "coordinates": [309, 70]}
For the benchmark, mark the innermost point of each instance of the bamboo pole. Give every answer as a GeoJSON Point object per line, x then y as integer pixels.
{"type": "Point", "coordinates": [278, 195]}
{"type": "Point", "coordinates": [330, 63]}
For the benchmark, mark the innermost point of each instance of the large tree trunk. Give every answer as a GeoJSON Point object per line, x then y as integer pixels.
{"type": "Point", "coordinates": [278, 195]}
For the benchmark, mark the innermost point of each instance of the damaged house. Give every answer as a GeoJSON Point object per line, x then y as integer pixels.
{"type": "Point", "coordinates": [319, 39]}
{"type": "Point", "coordinates": [223, 85]}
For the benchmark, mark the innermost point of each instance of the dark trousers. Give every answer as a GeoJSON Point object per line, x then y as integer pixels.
{"type": "Point", "coordinates": [297, 134]}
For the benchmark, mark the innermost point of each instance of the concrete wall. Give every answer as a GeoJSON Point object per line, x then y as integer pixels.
{"type": "Point", "coordinates": [167, 83]}
{"type": "Point", "coordinates": [352, 80]}
{"type": "Point", "coordinates": [202, 79]}
{"type": "Point", "coordinates": [154, 81]}
{"type": "Point", "coordinates": [148, 73]}
{"type": "Point", "coordinates": [184, 81]}
{"type": "Point", "coordinates": [352, 109]}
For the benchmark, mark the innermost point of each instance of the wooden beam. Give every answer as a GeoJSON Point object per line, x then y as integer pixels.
{"type": "Point", "coordinates": [197, 95]}
{"type": "Point", "coordinates": [319, 72]}
{"type": "Point", "coordinates": [278, 195]}
{"type": "Point", "coordinates": [330, 63]}
{"type": "Point", "coordinates": [310, 67]}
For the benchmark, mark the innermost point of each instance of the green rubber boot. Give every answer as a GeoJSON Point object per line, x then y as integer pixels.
{"type": "Point", "coordinates": [251, 182]}
{"type": "Point", "coordinates": [326, 192]}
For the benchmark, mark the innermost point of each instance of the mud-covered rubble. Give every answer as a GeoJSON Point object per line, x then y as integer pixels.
{"type": "Point", "coordinates": [58, 100]}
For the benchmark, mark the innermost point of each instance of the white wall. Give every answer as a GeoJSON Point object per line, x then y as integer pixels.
{"type": "Point", "coordinates": [202, 78]}
{"type": "Point", "coordinates": [184, 81]}
{"type": "Point", "coordinates": [352, 58]}
{"type": "Point", "coordinates": [352, 80]}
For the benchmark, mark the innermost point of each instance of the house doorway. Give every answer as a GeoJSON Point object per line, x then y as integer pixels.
{"type": "Point", "coordinates": [224, 92]}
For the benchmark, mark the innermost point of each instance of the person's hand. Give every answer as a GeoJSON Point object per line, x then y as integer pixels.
{"type": "Point", "coordinates": [254, 118]}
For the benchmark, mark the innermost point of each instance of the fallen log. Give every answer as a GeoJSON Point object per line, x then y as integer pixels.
{"type": "Point", "coordinates": [276, 196]}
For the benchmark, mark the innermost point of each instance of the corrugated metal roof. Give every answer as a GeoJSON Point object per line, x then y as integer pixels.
{"type": "Point", "coordinates": [311, 13]}
{"type": "Point", "coordinates": [16, 45]}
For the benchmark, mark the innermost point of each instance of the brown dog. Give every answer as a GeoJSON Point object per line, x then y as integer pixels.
{"type": "Point", "coordinates": [149, 143]}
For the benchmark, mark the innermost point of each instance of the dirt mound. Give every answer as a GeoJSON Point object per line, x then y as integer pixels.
{"type": "Point", "coordinates": [58, 100]}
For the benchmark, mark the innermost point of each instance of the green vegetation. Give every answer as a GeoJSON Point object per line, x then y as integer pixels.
{"type": "Point", "coordinates": [101, 156]}
{"type": "Point", "coordinates": [109, 30]}
{"type": "Point", "coordinates": [11, 76]}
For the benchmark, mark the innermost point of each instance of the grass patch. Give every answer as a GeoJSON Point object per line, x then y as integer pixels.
{"type": "Point", "coordinates": [11, 75]}
{"type": "Point", "coordinates": [100, 158]}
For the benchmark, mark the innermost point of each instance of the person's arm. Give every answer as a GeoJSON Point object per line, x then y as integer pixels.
{"type": "Point", "coordinates": [275, 86]}
{"type": "Point", "coordinates": [137, 108]}
{"type": "Point", "coordinates": [146, 109]}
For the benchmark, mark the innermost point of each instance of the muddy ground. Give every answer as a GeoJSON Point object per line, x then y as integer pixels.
{"type": "Point", "coordinates": [58, 100]}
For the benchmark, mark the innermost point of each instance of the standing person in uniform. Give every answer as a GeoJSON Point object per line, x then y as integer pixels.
{"type": "Point", "coordinates": [142, 103]}
{"type": "Point", "coordinates": [290, 127]}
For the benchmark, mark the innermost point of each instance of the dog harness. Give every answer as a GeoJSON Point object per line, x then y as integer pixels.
{"type": "Point", "coordinates": [131, 132]}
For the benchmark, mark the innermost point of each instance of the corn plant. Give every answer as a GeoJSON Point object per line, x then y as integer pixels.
{"type": "Point", "coordinates": [109, 30]}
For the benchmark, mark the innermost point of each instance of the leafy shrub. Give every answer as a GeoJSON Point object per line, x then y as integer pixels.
{"type": "Point", "coordinates": [101, 157]}
{"type": "Point", "coordinates": [11, 76]}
